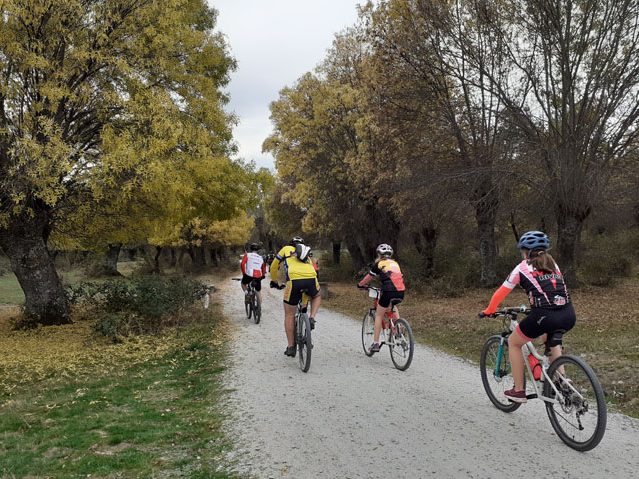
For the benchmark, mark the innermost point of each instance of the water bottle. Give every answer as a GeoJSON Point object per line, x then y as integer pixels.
{"type": "Point", "coordinates": [535, 367]}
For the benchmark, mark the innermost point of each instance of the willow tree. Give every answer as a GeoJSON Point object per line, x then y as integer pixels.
{"type": "Point", "coordinates": [572, 90]}
{"type": "Point", "coordinates": [93, 95]}
{"type": "Point", "coordinates": [409, 34]}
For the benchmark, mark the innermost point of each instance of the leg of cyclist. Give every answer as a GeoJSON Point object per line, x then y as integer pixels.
{"type": "Point", "coordinates": [257, 285]}
{"type": "Point", "coordinates": [515, 343]}
{"type": "Point", "coordinates": [289, 323]}
{"type": "Point", "coordinates": [315, 304]}
{"type": "Point", "coordinates": [379, 319]}
{"type": "Point", "coordinates": [314, 293]}
{"type": "Point", "coordinates": [291, 297]}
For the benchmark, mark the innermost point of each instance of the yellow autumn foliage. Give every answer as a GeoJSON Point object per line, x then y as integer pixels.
{"type": "Point", "coordinates": [74, 351]}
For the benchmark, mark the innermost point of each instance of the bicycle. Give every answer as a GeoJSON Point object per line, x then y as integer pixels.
{"type": "Point", "coordinates": [302, 331]}
{"type": "Point", "coordinates": [570, 389]}
{"type": "Point", "coordinates": [251, 304]}
{"type": "Point", "coordinates": [396, 332]}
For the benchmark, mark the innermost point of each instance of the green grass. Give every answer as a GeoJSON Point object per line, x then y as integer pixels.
{"type": "Point", "coordinates": [164, 417]}
{"type": "Point", "coordinates": [10, 291]}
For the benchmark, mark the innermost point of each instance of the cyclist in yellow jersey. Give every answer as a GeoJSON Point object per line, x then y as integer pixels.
{"type": "Point", "coordinates": [300, 277]}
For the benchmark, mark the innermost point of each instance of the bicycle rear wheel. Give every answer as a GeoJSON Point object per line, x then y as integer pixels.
{"type": "Point", "coordinates": [401, 344]}
{"type": "Point", "coordinates": [257, 309]}
{"type": "Point", "coordinates": [496, 374]}
{"type": "Point", "coordinates": [303, 340]}
{"type": "Point", "coordinates": [579, 418]}
{"type": "Point", "coordinates": [247, 305]}
{"type": "Point", "coordinates": [368, 329]}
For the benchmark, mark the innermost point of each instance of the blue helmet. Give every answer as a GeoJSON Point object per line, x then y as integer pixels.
{"type": "Point", "coordinates": [534, 240]}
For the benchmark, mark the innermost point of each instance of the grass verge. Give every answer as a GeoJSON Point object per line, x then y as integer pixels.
{"type": "Point", "coordinates": [606, 334]}
{"type": "Point", "coordinates": [72, 405]}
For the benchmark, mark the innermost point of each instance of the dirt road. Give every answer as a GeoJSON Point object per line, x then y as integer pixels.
{"type": "Point", "coordinates": [352, 416]}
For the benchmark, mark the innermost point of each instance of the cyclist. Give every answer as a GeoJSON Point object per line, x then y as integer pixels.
{"type": "Point", "coordinates": [300, 277]}
{"type": "Point", "coordinates": [552, 313]}
{"type": "Point", "coordinates": [390, 275]}
{"type": "Point", "coordinates": [253, 270]}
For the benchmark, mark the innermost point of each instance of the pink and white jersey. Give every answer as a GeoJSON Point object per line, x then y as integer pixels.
{"type": "Point", "coordinates": [544, 290]}
{"type": "Point", "coordinates": [253, 265]}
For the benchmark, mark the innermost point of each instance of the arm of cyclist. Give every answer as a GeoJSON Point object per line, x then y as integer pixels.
{"type": "Point", "coordinates": [364, 282]}
{"type": "Point", "coordinates": [502, 292]}
{"type": "Point", "coordinates": [243, 263]}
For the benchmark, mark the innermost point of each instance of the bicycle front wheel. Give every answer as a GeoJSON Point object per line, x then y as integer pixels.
{"type": "Point", "coordinates": [257, 309]}
{"type": "Point", "coordinates": [496, 374]}
{"type": "Point", "coordinates": [368, 330]}
{"type": "Point", "coordinates": [303, 340]}
{"type": "Point", "coordinates": [579, 416]}
{"type": "Point", "coordinates": [401, 345]}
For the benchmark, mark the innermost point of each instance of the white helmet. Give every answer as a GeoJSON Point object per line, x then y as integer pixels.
{"type": "Point", "coordinates": [302, 252]}
{"type": "Point", "coordinates": [384, 250]}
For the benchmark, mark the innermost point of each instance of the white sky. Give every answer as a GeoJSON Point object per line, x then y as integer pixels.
{"type": "Point", "coordinates": [274, 42]}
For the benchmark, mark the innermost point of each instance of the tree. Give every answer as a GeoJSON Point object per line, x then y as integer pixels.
{"type": "Point", "coordinates": [571, 91]}
{"type": "Point", "coordinates": [413, 36]}
{"type": "Point", "coordinates": [93, 97]}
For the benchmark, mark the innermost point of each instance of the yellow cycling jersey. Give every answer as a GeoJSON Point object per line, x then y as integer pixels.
{"type": "Point", "coordinates": [294, 268]}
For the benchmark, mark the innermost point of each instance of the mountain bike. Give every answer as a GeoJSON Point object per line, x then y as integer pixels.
{"type": "Point", "coordinates": [573, 396]}
{"type": "Point", "coordinates": [396, 332]}
{"type": "Point", "coordinates": [302, 331]}
{"type": "Point", "coordinates": [252, 306]}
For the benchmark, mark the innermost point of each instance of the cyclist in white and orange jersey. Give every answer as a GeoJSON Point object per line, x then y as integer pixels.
{"type": "Point", "coordinates": [253, 269]}
{"type": "Point", "coordinates": [392, 287]}
{"type": "Point", "coordinates": [551, 314]}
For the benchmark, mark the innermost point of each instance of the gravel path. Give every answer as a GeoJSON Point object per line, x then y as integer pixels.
{"type": "Point", "coordinates": [356, 417]}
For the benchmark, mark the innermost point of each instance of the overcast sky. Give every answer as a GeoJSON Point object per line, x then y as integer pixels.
{"type": "Point", "coordinates": [274, 42]}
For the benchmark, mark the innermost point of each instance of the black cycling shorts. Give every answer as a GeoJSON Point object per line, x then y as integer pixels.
{"type": "Point", "coordinates": [295, 288]}
{"type": "Point", "coordinates": [553, 322]}
{"type": "Point", "coordinates": [257, 282]}
{"type": "Point", "coordinates": [386, 296]}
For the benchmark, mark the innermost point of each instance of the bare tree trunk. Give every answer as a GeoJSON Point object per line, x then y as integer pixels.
{"type": "Point", "coordinates": [425, 242]}
{"type": "Point", "coordinates": [24, 243]}
{"type": "Point", "coordinates": [568, 234]}
{"type": "Point", "coordinates": [215, 260]}
{"type": "Point", "coordinates": [110, 267]}
{"type": "Point", "coordinates": [356, 253]}
{"type": "Point", "coordinates": [181, 256]}
{"type": "Point", "coordinates": [486, 216]}
{"type": "Point", "coordinates": [156, 260]}
{"type": "Point", "coordinates": [337, 250]}
{"type": "Point", "coordinates": [173, 262]}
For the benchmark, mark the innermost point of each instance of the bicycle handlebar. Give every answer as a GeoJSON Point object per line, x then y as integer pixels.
{"type": "Point", "coordinates": [506, 312]}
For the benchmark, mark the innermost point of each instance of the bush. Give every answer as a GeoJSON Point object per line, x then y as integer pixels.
{"type": "Point", "coordinates": [605, 259]}
{"type": "Point", "coordinates": [136, 306]}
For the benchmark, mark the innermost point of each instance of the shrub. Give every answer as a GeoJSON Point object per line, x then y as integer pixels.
{"type": "Point", "coordinates": [136, 306]}
{"type": "Point", "coordinates": [605, 259]}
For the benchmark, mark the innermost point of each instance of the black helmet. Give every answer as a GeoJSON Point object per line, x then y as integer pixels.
{"type": "Point", "coordinates": [254, 247]}
{"type": "Point", "coordinates": [297, 240]}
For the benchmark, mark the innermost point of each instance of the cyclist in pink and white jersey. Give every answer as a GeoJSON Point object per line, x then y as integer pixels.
{"type": "Point", "coordinates": [253, 269]}
{"type": "Point", "coordinates": [552, 313]}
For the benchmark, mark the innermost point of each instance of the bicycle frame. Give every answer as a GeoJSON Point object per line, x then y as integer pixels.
{"type": "Point", "coordinates": [389, 319]}
{"type": "Point", "coordinates": [529, 348]}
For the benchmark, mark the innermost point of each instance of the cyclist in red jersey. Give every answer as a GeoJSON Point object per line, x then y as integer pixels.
{"type": "Point", "coordinates": [551, 314]}
{"type": "Point", "coordinates": [390, 276]}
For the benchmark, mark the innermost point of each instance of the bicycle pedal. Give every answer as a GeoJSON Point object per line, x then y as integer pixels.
{"type": "Point", "coordinates": [531, 396]}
